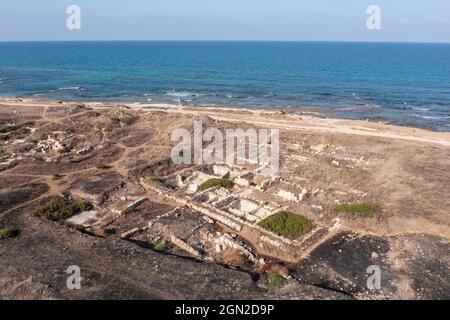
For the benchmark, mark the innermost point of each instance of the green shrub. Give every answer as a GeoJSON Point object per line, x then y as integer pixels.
{"type": "Point", "coordinates": [62, 209]}
{"type": "Point", "coordinates": [6, 233]}
{"type": "Point", "coordinates": [287, 224]}
{"type": "Point", "coordinates": [115, 118]}
{"type": "Point", "coordinates": [214, 182]}
{"type": "Point", "coordinates": [275, 279]}
{"type": "Point", "coordinates": [366, 210]}
{"type": "Point", "coordinates": [160, 246]}
{"type": "Point", "coordinates": [9, 129]}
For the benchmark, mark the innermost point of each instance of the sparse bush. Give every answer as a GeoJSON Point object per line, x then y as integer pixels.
{"type": "Point", "coordinates": [103, 166]}
{"type": "Point", "coordinates": [287, 224]}
{"type": "Point", "coordinates": [214, 182]}
{"type": "Point", "coordinates": [8, 233]}
{"type": "Point", "coordinates": [9, 129]}
{"type": "Point", "coordinates": [62, 209]}
{"type": "Point", "coordinates": [25, 130]}
{"type": "Point", "coordinates": [233, 257]}
{"type": "Point", "coordinates": [3, 233]}
{"type": "Point", "coordinates": [366, 210]}
{"type": "Point", "coordinates": [275, 279]}
{"type": "Point", "coordinates": [57, 176]}
{"type": "Point", "coordinates": [160, 246]}
{"type": "Point", "coordinates": [115, 118]}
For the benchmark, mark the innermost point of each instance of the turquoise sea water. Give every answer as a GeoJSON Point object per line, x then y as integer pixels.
{"type": "Point", "coordinates": [406, 84]}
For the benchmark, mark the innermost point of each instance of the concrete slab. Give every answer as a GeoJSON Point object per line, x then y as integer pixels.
{"type": "Point", "coordinates": [84, 219]}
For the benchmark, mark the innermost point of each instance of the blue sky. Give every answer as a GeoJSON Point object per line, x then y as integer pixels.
{"type": "Point", "coordinates": [313, 20]}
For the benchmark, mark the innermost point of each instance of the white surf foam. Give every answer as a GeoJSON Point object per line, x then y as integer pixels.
{"type": "Point", "coordinates": [72, 88]}
{"type": "Point", "coordinates": [182, 94]}
{"type": "Point", "coordinates": [431, 117]}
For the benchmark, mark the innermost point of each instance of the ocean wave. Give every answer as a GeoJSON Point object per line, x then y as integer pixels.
{"type": "Point", "coordinates": [431, 117]}
{"type": "Point", "coordinates": [421, 109]}
{"type": "Point", "coordinates": [72, 88]}
{"type": "Point", "coordinates": [43, 93]}
{"type": "Point", "coordinates": [355, 96]}
{"type": "Point", "coordinates": [182, 94]}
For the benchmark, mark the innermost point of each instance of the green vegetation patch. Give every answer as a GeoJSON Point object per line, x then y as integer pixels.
{"type": "Point", "coordinates": [9, 129]}
{"type": "Point", "coordinates": [160, 246]}
{"type": "Point", "coordinates": [287, 224]}
{"type": "Point", "coordinates": [62, 209]}
{"type": "Point", "coordinates": [7, 233]}
{"type": "Point", "coordinates": [214, 182]}
{"type": "Point", "coordinates": [275, 279]}
{"type": "Point", "coordinates": [12, 129]}
{"type": "Point", "coordinates": [366, 210]}
{"type": "Point", "coordinates": [115, 118]}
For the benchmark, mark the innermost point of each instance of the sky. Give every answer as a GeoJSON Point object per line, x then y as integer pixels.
{"type": "Point", "coordinates": [284, 20]}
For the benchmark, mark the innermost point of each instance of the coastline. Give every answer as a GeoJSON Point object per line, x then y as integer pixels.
{"type": "Point", "coordinates": [295, 119]}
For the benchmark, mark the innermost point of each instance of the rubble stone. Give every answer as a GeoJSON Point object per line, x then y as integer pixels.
{"type": "Point", "coordinates": [286, 195]}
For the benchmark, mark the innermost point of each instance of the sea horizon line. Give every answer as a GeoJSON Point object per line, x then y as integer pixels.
{"type": "Point", "coordinates": [229, 41]}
